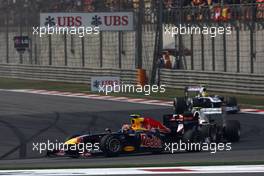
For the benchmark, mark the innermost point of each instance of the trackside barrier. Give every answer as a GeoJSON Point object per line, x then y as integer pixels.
{"type": "Point", "coordinates": [64, 74]}
{"type": "Point", "coordinates": [215, 81]}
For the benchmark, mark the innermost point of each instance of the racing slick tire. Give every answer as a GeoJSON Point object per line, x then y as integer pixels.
{"type": "Point", "coordinates": [231, 101]}
{"type": "Point", "coordinates": [166, 119]}
{"type": "Point", "coordinates": [110, 145]}
{"type": "Point", "coordinates": [192, 137]}
{"type": "Point", "coordinates": [73, 153]}
{"type": "Point", "coordinates": [179, 105]}
{"type": "Point", "coordinates": [232, 130]}
{"type": "Point", "coordinates": [51, 153]}
{"type": "Point", "coordinates": [172, 125]}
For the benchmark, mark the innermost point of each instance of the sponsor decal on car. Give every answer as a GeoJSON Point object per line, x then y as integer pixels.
{"type": "Point", "coordinates": [150, 141]}
{"type": "Point", "coordinates": [129, 148]}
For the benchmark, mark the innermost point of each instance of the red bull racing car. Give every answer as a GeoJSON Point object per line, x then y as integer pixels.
{"type": "Point", "coordinates": [143, 134]}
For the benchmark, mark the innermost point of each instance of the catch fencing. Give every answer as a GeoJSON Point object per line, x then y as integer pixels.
{"type": "Point", "coordinates": [109, 49]}
{"type": "Point", "coordinates": [240, 52]}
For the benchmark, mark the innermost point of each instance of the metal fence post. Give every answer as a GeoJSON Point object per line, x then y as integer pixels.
{"type": "Point", "coordinates": [101, 49]}
{"type": "Point", "coordinates": [50, 50]}
{"type": "Point", "coordinates": [238, 49]}
{"type": "Point", "coordinates": [252, 54]}
{"type": "Point", "coordinates": [139, 34]}
{"type": "Point", "coordinates": [83, 52]}
{"type": "Point", "coordinates": [158, 44]}
{"type": "Point", "coordinates": [36, 51]}
{"type": "Point", "coordinates": [202, 48]}
{"type": "Point", "coordinates": [180, 38]}
{"type": "Point", "coordinates": [213, 53]}
{"type": "Point", "coordinates": [7, 37]}
{"type": "Point", "coordinates": [20, 33]}
{"type": "Point", "coordinates": [120, 45]}
{"type": "Point", "coordinates": [252, 31]}
{"type": "Point", "coordinates": [192, 59]}
{"type": "Point", "coordinates": [30, 49]}
{"type": "Point", "coordinates": [224, 48]}
{"type": "Point", "coordinates": [65, 50]}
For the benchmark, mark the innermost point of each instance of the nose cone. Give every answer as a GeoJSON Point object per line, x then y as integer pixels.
{"type": "Point", "coordinates": [74, 141]}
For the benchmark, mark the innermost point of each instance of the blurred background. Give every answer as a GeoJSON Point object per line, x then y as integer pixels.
{"type": "Point", "coordinates": [242, 51]}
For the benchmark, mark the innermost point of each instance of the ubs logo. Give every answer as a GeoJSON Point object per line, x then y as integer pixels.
{"type": "Point", "coordinates": [116, 20]}
{"type": "Point", "coordinates": [50, 21]}
{"type": "Point", "coordinates": [96, 20]}
{"type": "Point", "coordinates": [67, 21]}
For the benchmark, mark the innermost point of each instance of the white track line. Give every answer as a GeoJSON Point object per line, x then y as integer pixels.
{"type": "Point", "coordinates": [141, 171]}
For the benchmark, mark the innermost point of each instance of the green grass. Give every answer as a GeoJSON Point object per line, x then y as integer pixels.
{"type": "Point", "coordinates": [6, 83]}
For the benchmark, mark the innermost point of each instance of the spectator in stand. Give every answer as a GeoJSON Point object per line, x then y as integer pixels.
{"type": "Point", "coordinates": [247, 9]}
{"type": "Point", "coordinates": [168, 4]}
{"type": "Point", "coordinates": [161, 62]}
{"type": "Point", "coordinates": [234, 11]}
{"type": "Point", "coordinates": [198, 5]}
{"type": "Point", "coordinates": [226, 13]}
{"type": "Point", "coordinates": [135, 4]}
{"type": "Point", "coordinates": [112, 5]}
{"type": "Point", "coordinates": [217, 10]}
{"type": "Point", "coordinates": [169, 14]}
{"type": "Point", "coordinates": [88, 5]}
{"type": "Point", "coordinates": [260, 9]}
{"type": "Point", "coordinates": [168, 63]}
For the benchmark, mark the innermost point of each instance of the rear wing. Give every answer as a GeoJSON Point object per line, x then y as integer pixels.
{"type": "Point", "coordinates": [194, 88]}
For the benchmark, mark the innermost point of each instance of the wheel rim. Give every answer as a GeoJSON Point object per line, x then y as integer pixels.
{"type": "Point", "coordinates": [238, 132]}
{"type": "Point", "coordinates": [214, 137]}
{"type": "Point", "coordinates": [114, 145]}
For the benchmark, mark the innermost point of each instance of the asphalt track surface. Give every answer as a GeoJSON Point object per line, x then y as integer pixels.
{"type": "Point", "coordinates": [27, 118]}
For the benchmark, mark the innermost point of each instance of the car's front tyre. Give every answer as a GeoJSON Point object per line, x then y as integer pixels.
{"type": "Point", "coordinates": [232, 130]}
{"type": "Point", "coordinates": [111, 145]}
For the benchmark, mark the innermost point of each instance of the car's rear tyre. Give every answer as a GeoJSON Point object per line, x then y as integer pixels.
{"type": "Point", "coordinates": [73, 153]}
{"type": "Point", "coordinates": [193, 139]}
{"type": "Point", "coordinates": [205, 131]}
{"type": "Point", "coordinates": [166, 119]}
{"type": "Point", "coordinates": [231, 101]}
{"type": "Point", "coordinates": [51, 153]}
{"type": "Point", "coordinates": [179, 105]}
{"type": "Point", "coordinates": [110, 145]}
{"type": "Point", "coordinates": [232, 130]}
{"type": "Point", "coordinates": [215, 133]}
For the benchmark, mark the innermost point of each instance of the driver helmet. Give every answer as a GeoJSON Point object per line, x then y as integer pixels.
{"type": "Point", "coordinates": [204, 93]}
{"type": "Point", "coordinates": [134, 116]}
{"type": "Point", "coordinates": [137, 122]}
